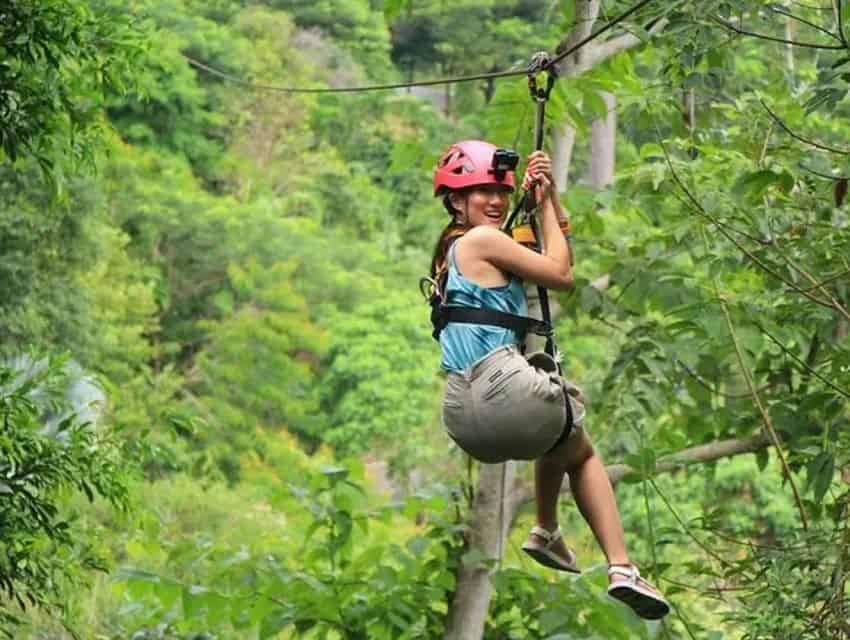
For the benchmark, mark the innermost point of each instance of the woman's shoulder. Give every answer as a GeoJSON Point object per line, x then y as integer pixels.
{"type": "Point", "coordinates": [486, 243]}
{"type": "Point", "coordinates": [484, 235]}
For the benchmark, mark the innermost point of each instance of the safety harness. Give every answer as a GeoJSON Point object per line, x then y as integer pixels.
{"type": "Point", "coordinates": [442, 309]}
{"type": "Point", "coordinates": [443, 312]}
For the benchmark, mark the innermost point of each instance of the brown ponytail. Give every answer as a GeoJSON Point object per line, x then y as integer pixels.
{"type": "Point", "coordinates": [452, 232]}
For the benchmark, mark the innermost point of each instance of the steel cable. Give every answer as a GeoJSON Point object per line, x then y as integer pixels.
{"type": "Point", "coordinates": [419, 83]}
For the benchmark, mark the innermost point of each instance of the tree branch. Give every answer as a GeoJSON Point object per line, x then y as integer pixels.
{"type": "Point", "coordinates": [612, 47]}
{"type": "Point", "coordinates": [715, 390]}
{"type": "Point", "coordinates": [829, 279]}
{"type": "Point", "coordinates": [697, 206]}
{"type": "Point", "coordinates": [788, 14]}
{"type": "Point", "coordinates": [796, 136]}
{"type": "Point", "coordinates": [762, 36]}
{"type": "Point", "coordinates": [523, 492]}
{"type": "Point", "coordinates": [700, 454]}
{"type": "Point", "coordinates": [587, 13]}
{"type": "Point", "coordinates": [822, 175]}
{"type": "Point", "coordinates": [816, 285]}
{"type": "Point", "coordinates": [802, 362]}
{"type": "Point", "coordinates": [768, 423]}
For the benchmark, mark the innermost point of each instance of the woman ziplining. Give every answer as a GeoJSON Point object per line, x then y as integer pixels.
{"type": "Point", "coordinates": [499, 405]}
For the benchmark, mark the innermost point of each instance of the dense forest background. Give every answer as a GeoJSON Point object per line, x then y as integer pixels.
{"type": "Point", "coordinates": [220, 395]}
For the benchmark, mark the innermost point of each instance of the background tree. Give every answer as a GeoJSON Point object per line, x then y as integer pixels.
{"type": "Point", "coordinates": [59, 61]}
{"type": "Point", "coordinates": [51, 443]}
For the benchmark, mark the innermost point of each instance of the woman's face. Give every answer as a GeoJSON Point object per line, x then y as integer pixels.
{"type": "Point", "coordinates": [486, 204]}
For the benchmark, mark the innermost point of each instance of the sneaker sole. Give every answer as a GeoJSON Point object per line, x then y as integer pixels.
{"type": "Point", "coordinates": [643, 603]}
{"type": "Point", "coordinates": [549, 559]}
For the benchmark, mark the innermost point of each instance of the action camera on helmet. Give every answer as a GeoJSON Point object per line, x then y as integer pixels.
{"type": "Point", "coordinates": [504, 160]}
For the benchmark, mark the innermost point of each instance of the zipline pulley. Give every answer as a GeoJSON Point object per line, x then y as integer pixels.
{"type": "Point", "coordinates": [541, 62]}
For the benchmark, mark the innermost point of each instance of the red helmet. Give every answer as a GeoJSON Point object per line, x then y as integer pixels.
{"type": "Point", "coordinates": [466, 164]}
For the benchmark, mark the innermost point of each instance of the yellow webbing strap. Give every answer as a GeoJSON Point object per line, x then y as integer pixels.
{"type": "Point", "coordinates": [524, 235]}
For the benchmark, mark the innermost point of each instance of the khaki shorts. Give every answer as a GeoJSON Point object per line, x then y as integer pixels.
{"type": "Point", "coordinates": [502, 408]}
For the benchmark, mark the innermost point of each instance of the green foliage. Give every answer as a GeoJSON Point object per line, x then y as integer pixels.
{"type": "Point", "coordinates": [59, 60]}
{"type": "Point", "coordinates": [357, 26]}
{"type": "Point", "coordinates": [258, 368]}
{"type": "Point", "coordinates": [468, 35]}
{"type": "Point", "coordinates": [350, 575]}
{"type": "Point", "coordinates": [47, 448]}
{"type": "Point", "coordinates": [527, 606]}
{"type": "Point", "coordinates": [371, 395]}
{"type": "Point", "coordinates": [44, 246]}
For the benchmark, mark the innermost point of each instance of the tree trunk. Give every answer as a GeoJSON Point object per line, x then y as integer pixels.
{"type": "Point", "coordinates": [789, 48]}
{"type": "Point", "coordinates": [564, 136]}
{"type": "Point", "coordinates": [603, 139]}
{"type": "Point", "coordinates": [488, 525]}
{"type": "Point", "coordinates": [563, 139]}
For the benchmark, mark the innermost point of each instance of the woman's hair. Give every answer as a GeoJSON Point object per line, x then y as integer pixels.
{"type": "Point", "coordinates": [452, 232]}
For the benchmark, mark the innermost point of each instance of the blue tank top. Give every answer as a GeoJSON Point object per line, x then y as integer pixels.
{"type": "Point", "coordinates": [464, 344]}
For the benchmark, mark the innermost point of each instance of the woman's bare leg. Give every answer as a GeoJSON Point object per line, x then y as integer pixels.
{"type": "Point", "coordinates": [592, 492]}
{"type": "Point", "coordinates": [591, 489]}
{"type": "Point", "coordinates": [595, 499]}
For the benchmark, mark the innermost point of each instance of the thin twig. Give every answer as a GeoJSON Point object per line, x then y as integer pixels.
{"type": "Point", "coordinates": [651, 527]}
{"type": "Point", "coordinates": [788, 14]}
{"type": "Point", "coordinates": [832, 278]}
{"type": "Point", "coordinates": [755, 545]}
{"type": "Point", "coordinates": [760, 241]}
{"type": "Point", "coordinates": [822, 175]}
{"type": "Point", "coordinates": [764, 146]}
{"type": "Point", "coordinates": [797, 136]}
{"type": "Point", "coordinates": [718, 591]}
{"type": "Point", "coordinates": [768, 423]}
{"type": "Point", "coordinates": [715, 390]}
{"type": "Point", "coordinates": [808, 276]}
{"type": "Point", "coordinates": [807, 45]}
{"type": "Point", "coordinates": [802, 363]}
{"type": "Point", "coordinates": [841, 35]}
{"type": "Point", "coordinates": [686, 529]}
{"type": "Point", "coordinates": [723, 228]}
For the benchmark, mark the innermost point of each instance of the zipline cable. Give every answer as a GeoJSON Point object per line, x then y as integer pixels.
{"type": "Point", "coordinates": [419, 83]}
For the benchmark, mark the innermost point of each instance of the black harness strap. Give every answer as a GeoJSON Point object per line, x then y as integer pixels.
{"type": "Point", "coordinates": [540, 95]}
{"type": "Point", "coordinates": [442, 315]}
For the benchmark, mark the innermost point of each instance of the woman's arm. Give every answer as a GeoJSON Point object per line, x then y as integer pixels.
{"type": "Point", "coordinates": [553, 237]}
{"type": "Point", "coordinates": [551, 270]}
{"type": "Point", "coordinates": [538, 176]}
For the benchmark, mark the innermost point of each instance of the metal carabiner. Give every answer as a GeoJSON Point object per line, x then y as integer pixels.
{"type": "Point", "coordinates": [434, 290]}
